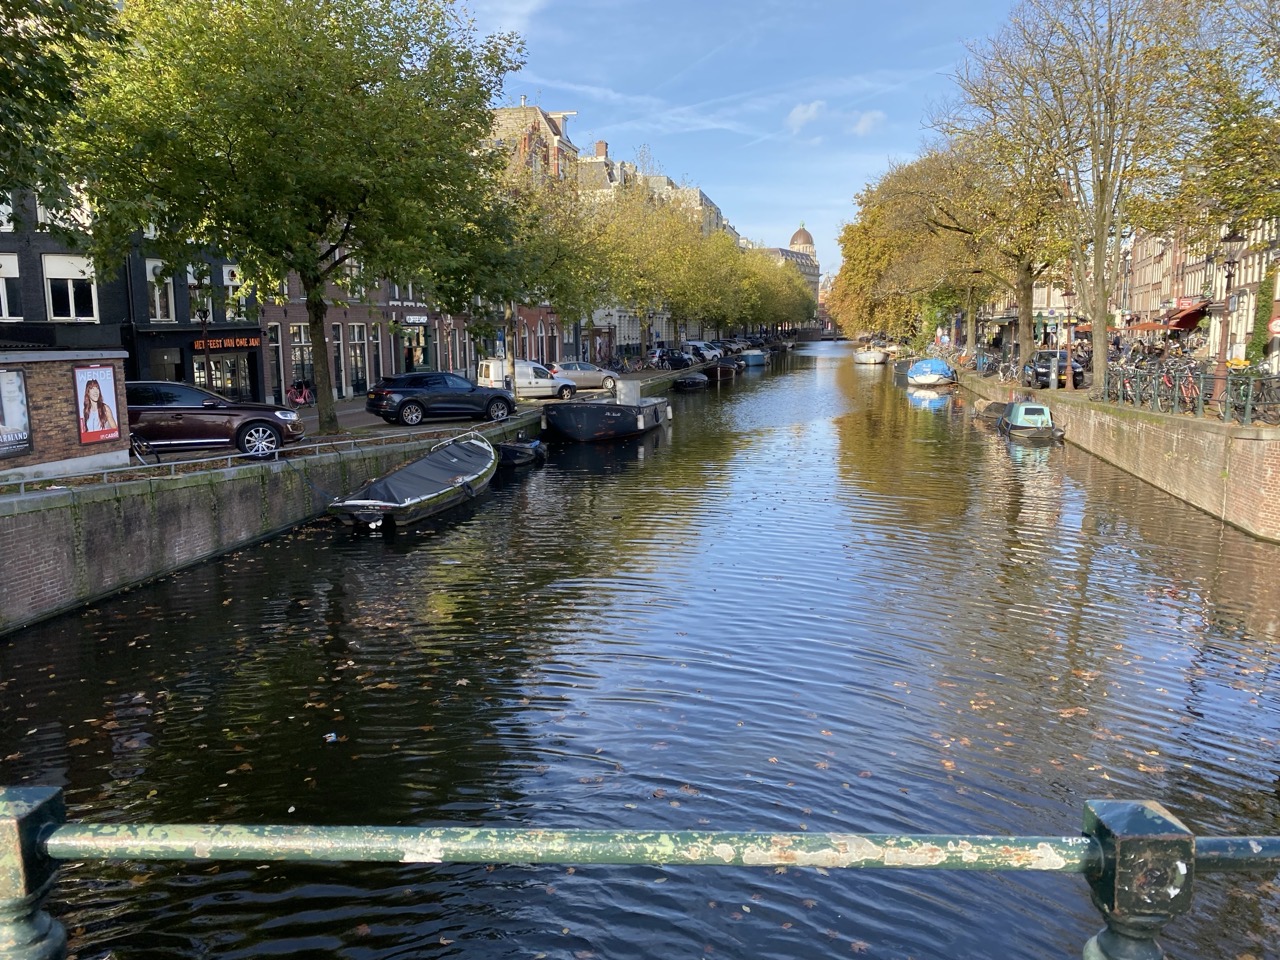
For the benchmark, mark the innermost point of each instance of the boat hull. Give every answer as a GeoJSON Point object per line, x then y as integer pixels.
{"type": "Point", "coordinates": [754, 358]}
{"type": "Point", "coordinates": [871, 357]}
{"type": "Point", "coordinates": [605, 418]}
{"type": "Point", "coordinates": [449, 475]}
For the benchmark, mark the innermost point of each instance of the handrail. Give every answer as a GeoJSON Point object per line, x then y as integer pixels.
{"type": "Point", "coordinates": [1139, 860]}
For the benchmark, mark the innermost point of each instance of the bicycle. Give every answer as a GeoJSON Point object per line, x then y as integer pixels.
{"type": "Point", "coordinates": [299, 395]}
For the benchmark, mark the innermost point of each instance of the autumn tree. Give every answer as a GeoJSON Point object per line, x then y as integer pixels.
{"type": "Point", "coordinates": [342, 143]}
{"type": "Point", "coordinates": [1092, 84]}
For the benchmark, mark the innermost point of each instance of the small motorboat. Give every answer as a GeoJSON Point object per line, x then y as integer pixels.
{"type": "Point", "coordinates": [721, 370]}
{"type": "Point", "coordinates": [871, 355]}
{"type": "Point", "coordinates": [451, 473]}
{"type": "Point", "coordinates": [1029, 420]}
{"type": "Point", "coordinates": [693, 380]}
{"type": "Point", "coordinates": [930, 372]}
{"type": "Point", "coordinates": [607, 418]}
{"type": "Point", "coordinates": [754, 357]}
{"type": "Point", "coordinates": [521, 453]}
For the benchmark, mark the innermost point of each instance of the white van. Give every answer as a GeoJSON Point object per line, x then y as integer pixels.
{"type": "Point", "coordinates": [532, 379]}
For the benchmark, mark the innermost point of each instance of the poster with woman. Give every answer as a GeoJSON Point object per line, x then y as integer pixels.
{"type": "Point", "coordinates": [96, 403]}
{"type": "Point", "coordinates": [15, 422]}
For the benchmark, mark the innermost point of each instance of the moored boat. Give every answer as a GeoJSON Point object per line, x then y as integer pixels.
{"type": "Point", "coordinates": [607, 418]}
{"type": "Point", "coordinates": [692, 380]}
{"type": "Point", "coordinates": [870, 355]}
{"type": "Point", "coordinates": [451, 473]}
{"type": "Point", "coordinates": [930, 372]}
{"type": "Point", "coordinates": [521, 453]}
{"type": "Point", "coordinates": [720, 370]}
{"type": "Point", "coordinates": [1029, 420]}
{"type": "Point", "coordinates": [754, 357]}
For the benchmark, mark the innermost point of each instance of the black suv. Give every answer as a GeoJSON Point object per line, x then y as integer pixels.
{"type": "Point", "coordinates": [1037, 373]}
{"type": "Point", "coordinates": [177, 416]}
{"type": "Point", "coordinates": [410, 397]}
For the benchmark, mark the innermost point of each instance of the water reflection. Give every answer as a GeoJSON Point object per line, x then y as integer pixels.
{"type": "Point", "coordinates": [806, 605]}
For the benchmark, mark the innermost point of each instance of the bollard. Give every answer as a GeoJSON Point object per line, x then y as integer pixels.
{"type": "Point", "coordinates": [1144, 881]}
{"type": "Point", "coordinates": [27, 874]}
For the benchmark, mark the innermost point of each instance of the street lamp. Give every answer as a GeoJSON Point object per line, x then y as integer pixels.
{"type": "Point", "coordinates": [202, 314]}
{"type": "Point", "coordinates": [1232, 245]}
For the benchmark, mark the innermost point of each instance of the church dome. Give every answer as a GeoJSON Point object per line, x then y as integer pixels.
{"type": "Point", "coordinates": [801, 237]}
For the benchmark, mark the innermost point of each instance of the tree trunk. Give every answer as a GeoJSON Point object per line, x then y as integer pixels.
{"type": "Point", "coordinates": [317, 312]}
{"type": "Point", "coordinates": [970, 327]}
{"type": "Point", "coordinates": [1024, 290]}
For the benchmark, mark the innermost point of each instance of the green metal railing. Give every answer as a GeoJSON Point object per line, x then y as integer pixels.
{"type": "Point", "coordinates": [1139, 860]}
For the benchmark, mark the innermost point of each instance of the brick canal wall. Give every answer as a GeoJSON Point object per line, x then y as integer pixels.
{"type": "Point", "coordinates": [1228, 471]}
{"type": "Point", "coordinates": [67, 547]}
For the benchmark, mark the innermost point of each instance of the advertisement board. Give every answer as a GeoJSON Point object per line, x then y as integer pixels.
{"type": "Point", "coordinates": [95, 395]}
{"type": "Point", "coordinates": [15, 419]}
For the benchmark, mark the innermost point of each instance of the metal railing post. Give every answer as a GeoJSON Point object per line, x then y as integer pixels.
{"type": "Point", "coordinates": [27, 874]}
{"type": "Point", "coordinates": [1145, 880]}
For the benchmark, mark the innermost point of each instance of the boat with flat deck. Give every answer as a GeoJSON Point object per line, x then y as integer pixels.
{"type": "Point", "coordinates": [607, 418]}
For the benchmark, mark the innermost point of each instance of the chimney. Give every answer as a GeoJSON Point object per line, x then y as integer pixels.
{"type": "Point", "coordinates": [602, 149]}
{"type": "Point", "coordinates": [522, 100]}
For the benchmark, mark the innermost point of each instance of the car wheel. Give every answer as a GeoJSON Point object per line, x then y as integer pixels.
{"type": "Point", "coordinates": [564, 393]}
{"type": "Point", "coordinates": [411, 414]}
{"type": "Point", "coordinates": [1028, 380]}
{"type": "Point", "coordinates": [497, 410]}
{"type": "Point", "coordinates": [259, 440]}
{"type": "Point", "coordinates": [608, 383]}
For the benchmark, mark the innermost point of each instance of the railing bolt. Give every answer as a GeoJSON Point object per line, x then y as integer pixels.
{"type": "Point", "coordinates": [27, 875]}
{"type": "Point", "coordinates": [1145, 878]}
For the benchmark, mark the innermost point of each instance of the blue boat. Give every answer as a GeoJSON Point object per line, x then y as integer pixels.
{"type": "Point", "coordinates": [930, 372]}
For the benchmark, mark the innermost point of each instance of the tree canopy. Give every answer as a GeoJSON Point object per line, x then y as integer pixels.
{"type": "Point", "coordinates": [47, 47]}
{"type": "Point", "coordinates": [340, 142]}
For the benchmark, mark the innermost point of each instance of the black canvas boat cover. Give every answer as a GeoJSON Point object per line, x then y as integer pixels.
{"type": "Point", "coordinates": [441, 469]}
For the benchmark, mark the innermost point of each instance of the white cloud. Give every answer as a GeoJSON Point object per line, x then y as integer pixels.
{"type": "Point", "coordinates": [804, 113]}
{"type": "Point", "coordinates": [863, 123]}
{"type": "Point", "coordinates": [506, 14]}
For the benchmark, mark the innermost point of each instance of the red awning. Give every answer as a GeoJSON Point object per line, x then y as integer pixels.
{"type": "Point", "coordinates": [1151, 325]}
{"type": "Point", "coordinates": [1188, 317]}
{"type": "Point", "coordinates": [1087, 327]}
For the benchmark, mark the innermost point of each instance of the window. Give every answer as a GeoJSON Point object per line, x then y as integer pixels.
{"type": "Point", "coordinates": [198, 296]}
{"type": "Point", "coordinates": [70, 289]}
{"type": "Point", "coordinates": [74, 215]}
{"type": "Point", "coordinates": [160, 309]}
{"type": "Point", "coordinates": [300, 357]}
{"type": "Point", "coordinates": [237, 306]}
{"type": "Point", "coordinates": [10, 288]}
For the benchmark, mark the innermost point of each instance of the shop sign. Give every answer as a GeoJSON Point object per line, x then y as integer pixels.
{"type": "Point", "coordinates": [245, 342]}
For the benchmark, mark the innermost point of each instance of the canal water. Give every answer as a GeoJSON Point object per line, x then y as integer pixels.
{"type": "Point", "coordinates": [813, 603]}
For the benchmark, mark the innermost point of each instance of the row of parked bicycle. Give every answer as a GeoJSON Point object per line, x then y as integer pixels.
{"type": "Point", "coordinates": [1184, 385]}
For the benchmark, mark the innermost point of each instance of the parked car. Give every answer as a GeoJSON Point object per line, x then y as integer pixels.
{"type": "Point", "coordinates": [671, 359]}
{"type": "Point", "coordinates": [1037, 372]}
{"type": "Point", "coordinates": [532, 379]}
{"type": "Point", "coordinates": [585, 375]}
{"type": "Point", "coordinates": [411, 397]}
{"type": "Point", "coordinates": [177, 416]}
{"type": "Point", "coordinates": [702, 350]}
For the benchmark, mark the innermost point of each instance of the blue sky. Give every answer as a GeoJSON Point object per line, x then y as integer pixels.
{"type": "Point", "coordinates": [779, 110]}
